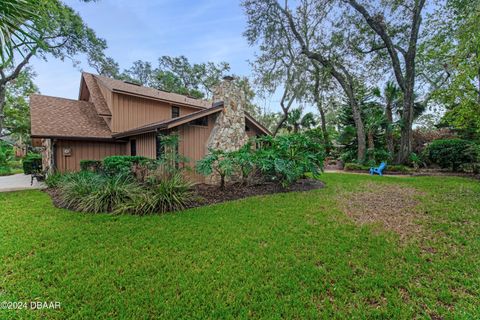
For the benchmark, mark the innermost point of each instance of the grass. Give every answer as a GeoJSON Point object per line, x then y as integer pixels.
{"type": "Point", "coordinates": [283, 256]}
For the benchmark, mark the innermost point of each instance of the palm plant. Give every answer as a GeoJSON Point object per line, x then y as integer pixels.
{"type": "Point", "coordinates": [296, 121]}
{"type": "Point", "coordinates": [15, 16]}
{"type": "Point", "coordinates": [391, 98]}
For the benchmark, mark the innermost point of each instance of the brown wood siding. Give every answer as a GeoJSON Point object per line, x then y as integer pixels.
{"type": "Point", "coordinates": [84, 150]}
{"type": "Point", "coordinates": [193, 145]}
{"type": "Point", "coordinates": [107, 95]}
{"type": "Point", "coordinates": [130, 112]}
{"type": "Point", "coordinates": [146, 145]}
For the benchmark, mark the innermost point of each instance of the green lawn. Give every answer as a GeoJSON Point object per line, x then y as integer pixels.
{"type": "Point", "coordinates": [288, 256]}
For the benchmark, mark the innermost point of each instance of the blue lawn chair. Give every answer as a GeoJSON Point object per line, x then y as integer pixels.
{"type": "Point", "coordinates": [379, 169]}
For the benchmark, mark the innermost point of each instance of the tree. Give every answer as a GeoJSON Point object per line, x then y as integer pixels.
{"type": "Point", "coordinates": [17, 120]}
{"type": "Point", "coordinates": [304, 30]}
{"type": "Point", "coordinates": [56, 30]}
{"type": "Point", "coordinates": [390, 35]}
{"type": "Point", "coordinates": [296, 121]}
{"type": "Point", "coordinates": [390, 97]}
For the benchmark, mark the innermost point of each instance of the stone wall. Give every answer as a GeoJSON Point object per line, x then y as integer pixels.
{"type": "Point", "coordinates": [228, 133]}
{"type": "Point", "coordinates": [47, 155]}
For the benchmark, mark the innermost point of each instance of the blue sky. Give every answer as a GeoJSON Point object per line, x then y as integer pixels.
{"type": "Point", "coordinates": [202, 30]}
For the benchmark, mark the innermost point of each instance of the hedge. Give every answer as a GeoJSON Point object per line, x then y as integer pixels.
{"type": "Point", "coordinates": [122, 165]}
{"type": "Point", "coordinates": [452, 153]}
{"type": "Point", "coordinates": [32, 163]}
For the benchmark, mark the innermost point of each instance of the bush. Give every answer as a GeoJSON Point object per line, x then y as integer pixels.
{"type": "Point", "coordinates": [451, 153]}
{"type": "Point", "coordinates": [217, 161]}
{"type": "Point", "coordinates": [351, 166]}
{"type": "Point", "coordinates": [5, 171]}
{"type": "Point", "coordinates": [32, 163]}
{"type": "Point", "coordinates": [54, 180]}
{"type": "Point", "coordinates": [91, 165]}
{"type": "Point", "coordinates": [287, 158]}
{"type": "Point", "coordinates": [90, 192]}
{"type": "Point", "coordinates": [470, 168]}
{"type": "Point", "coordinates": [122, 165]}
{"type": "Point", "coordinates": [162, 195]}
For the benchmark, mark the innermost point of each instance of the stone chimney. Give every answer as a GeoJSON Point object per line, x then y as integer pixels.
{"type": "Point", "coordinates": [228, 133]}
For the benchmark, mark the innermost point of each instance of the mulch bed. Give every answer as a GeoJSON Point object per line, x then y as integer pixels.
{"type": "Point", "coordinates": [210, 194]}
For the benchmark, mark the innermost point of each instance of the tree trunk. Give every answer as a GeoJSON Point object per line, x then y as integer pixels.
{"type": "Point", "coordinates": [3, 90]}
{"type": "Point", "coordinates": [318, 102]}
{"type": "Point", "coordinates": [357, 118]}
{"type": "Point", "coordinates": [407, 114]}
{"type": "Point", "coordinates": [389, 133]}
{"type": "Point", "coordinates": [371, 144]}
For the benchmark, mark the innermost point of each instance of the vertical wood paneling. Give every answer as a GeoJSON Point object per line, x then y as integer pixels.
{"type": "Point", "coordinates": [130, 112]}
{"type": "Point", "coordinates": [85, 150]}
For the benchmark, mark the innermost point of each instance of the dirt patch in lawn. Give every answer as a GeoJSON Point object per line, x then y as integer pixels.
{"type": "Point", "coordinates": [392, 206]}
{"type": "Point", "coordinates": [210, 194]}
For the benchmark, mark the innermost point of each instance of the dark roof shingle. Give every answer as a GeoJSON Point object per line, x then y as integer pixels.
{"type": "Point", "coordinates": [59, 117]}
{"type": "Point", "coordinates": [123, 87]}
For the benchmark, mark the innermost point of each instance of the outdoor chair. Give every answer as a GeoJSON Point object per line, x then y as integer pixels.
{"type": "Point", "coordinates": [379, 169]}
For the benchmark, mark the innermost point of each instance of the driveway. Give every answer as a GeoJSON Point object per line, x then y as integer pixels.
{"type": "Point", "coordinates": [18, 182]}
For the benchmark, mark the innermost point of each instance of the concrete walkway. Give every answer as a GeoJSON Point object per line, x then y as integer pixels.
{"type": "Point", "coordinates": [18, 182]}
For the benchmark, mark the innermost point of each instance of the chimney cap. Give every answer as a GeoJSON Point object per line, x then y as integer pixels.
{"type": "Point", "coordinates": [228, 78]}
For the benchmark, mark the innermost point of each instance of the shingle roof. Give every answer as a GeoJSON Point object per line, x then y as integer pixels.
{"type": "Point", "coordinates": [97, 96]}
{"type": "Point", "coordinates": [127, 88]}
{"type": "Point", "coordinates": [59, 117]}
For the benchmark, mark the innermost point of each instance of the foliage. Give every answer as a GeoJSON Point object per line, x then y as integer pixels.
{"type": "Point", "coordinates": [91, 165]}
{"type": "Point", "coordinates": [244, 161]}
{"type": "Point", "coordinates": [5, 171]}
{"type": "Point", "coordinates": [178, 74]}
{"type": "Point", "coordinates": [54, 180]}
{"type": "Point", "coordinates": [90, 192]}
{"type": "Point", "coordinates": [6, 154]}
{"type": "Point", "coordinates": [451, 153]}
{"type": "Point", "coordinates": [296, 122]}
{"type": "Point", "coordinates": [32, 163]}
{"type": "Point", "coordinates": [415, 160]}
{"type": "Point", "coordinates": [121, 165]}
{"type": "Point", "coordinates": [161, 195]}
{"type": "Point", "coordinates": [287, 158]}
{"type": "Point", "coordinates": [218, 162]}
{"type": "Point", "coordinates": [17, 109]}
{"type": "Point", "coordinates": [16, 25]}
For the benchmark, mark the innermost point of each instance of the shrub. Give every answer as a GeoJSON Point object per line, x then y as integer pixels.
{"type": "Point", "coordinates": [91, 165]}
{"type": "Point", "coordinates": [54, 180]}
{"type": "Point", "coordinates": [121, 165]}
{"type": "Point", "coordinates": [90, 192]}
{"type": "Point", "coordinates": [244, 161]}
{"type": "Point", "coordinates": [470, 168]}
{"type": "Point", "coordinates": [32, 163]}
{"type": "Point", "coordinates": [451, 153]}
{"type": "Point", "coordinates": [5, 171]}
{"type": "Point", "coordinates": [6, 155]}
{"type": "Point", "coordinates": [288, 158]}
{"type": "Point", "coordinates": [217, 161]}
{"type": "Point", "coordinates": [162, 195]}
{"type": "Point", "coordinates": [351, 166]}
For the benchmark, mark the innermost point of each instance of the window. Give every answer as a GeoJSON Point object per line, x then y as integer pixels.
{"type": "Point", "coordinates": [175, 112]}
{"type": "Point", "coordinates": [133, 147]}
{"type": "Point", "coordinates": [200, 122]}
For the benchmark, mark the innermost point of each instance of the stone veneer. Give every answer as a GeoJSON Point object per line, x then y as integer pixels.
{"type": "Point", "coordinates": [228, 133]}
{"type": "Point", "coordinates": [47, 155]}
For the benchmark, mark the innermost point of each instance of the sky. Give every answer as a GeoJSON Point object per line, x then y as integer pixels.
{"type": "Point", "coordinates": [202, 30]}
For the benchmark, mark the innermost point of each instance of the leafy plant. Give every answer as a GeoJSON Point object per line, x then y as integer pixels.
{"type": "Point", "coordinates": [288, 158]}
{"type": "Point", "coordinates": [91, 165]}
{"type": "Point", "coordinates": [32, 163]}
{"type": "Point", "coordinates": [244, 161]}
{"type": "Point", "coordinates": [161, 195]}
{"type": "Point", "coordinates": [90, 192]}
{"type": "Point", "coordinates": [219, 162]}
{"type": "Point", "coordinates": [451, 153]}
{"type": "Point", "coordinates": [121, 165]}
{"type": "Point", "coordinates": [5, 171]}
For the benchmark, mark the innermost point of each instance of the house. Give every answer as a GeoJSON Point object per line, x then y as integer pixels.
{"type": "Point", "coordinates": [114, 117]}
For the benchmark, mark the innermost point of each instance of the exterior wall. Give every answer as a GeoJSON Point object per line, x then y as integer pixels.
{"type": "Point", "coordinates": [130, 112]}
{"type": "Point", "coordinates": [107, 95]}
{"type": "Point", "coordinates": [146, 145]}
{"type": "Point", "coordinates": [84, 150]}
{"type": "Point", "coordinates": [193, 145]}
